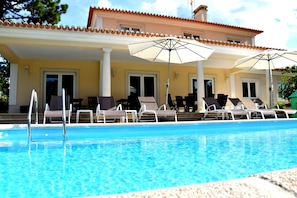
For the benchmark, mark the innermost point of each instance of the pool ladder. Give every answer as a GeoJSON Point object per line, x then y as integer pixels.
{"type": "Point", "coordinates": [34, 100]}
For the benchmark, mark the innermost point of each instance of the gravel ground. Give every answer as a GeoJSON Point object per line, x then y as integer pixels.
{"type": "Point", "coordinates": [278, 184]}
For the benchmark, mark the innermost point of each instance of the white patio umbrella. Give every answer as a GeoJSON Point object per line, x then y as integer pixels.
{"type": "Point", "coordinates": [171, 50]}
{"type": "Point", "coordinates": [268, 59]}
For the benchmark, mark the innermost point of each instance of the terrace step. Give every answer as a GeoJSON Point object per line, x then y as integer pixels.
{"type": "Point", "coordinates": [21, 118]}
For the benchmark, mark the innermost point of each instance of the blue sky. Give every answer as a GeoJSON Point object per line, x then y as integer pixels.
{"type": "Point", "coordinates": [278, 19]}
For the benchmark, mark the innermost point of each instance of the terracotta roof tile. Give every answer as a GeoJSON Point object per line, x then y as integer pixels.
{"type": "Point", "coordinates": [120, 33]}
{"type": "Point", "coordinates": [92, 9]}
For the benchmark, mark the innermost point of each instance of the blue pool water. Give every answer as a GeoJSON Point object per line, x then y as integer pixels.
{"type": "Point", "coordinates": [114, 159]}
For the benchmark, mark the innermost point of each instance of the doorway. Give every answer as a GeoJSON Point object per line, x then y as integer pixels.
{"type": "Point", "coordinates": [140, 85]}
{"type": "Point", "coordinates": [208, 87]}
{"type": "Point", "coordinates": [55, 81]}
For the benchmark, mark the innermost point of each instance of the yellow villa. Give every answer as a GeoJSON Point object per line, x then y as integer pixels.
{"type": "Point", "coordinates": [95, 61]}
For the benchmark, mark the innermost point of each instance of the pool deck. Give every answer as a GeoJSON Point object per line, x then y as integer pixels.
{"type": "Point", "coordinates": [278, 184]}
{"type": "Point", "coordinates": [21, 118]}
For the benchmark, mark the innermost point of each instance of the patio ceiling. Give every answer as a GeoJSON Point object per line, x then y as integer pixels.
{"type": "Point", "coordinates": [216, 60]}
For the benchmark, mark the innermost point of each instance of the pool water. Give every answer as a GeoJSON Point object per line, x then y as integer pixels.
{"type": "Point", "coordinates": [115, 159]}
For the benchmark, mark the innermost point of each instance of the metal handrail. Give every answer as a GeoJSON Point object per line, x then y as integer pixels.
{"type": "Point", "coordinates": [63, 114]}
{"type": "Point", "coordinates": [33, 99]}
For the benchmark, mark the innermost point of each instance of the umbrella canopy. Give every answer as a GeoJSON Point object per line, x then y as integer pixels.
{"type": "Point", "coordinates": [268, 60]}
{"type": "Point", "coordinates": [171, 50]}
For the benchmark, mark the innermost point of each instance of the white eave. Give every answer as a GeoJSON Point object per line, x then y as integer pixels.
{"type": "Point", "coordinates": [31, 41]}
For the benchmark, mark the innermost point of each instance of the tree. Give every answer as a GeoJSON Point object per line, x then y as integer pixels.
{"type": "Point", "coordinates": [289, 82]}
{"type": "Point", "coordinates": [36, 11]}
{"type": "Point", "coordinates": [4, 84]}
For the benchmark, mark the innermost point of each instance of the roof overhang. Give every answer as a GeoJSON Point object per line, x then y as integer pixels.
{"type": "Point", "coordinates": [27, 41]}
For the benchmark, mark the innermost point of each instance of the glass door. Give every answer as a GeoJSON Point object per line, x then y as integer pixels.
{"type": "Point", "coordinates": [55, 81]}
{"type": "Point", "coordinates": [208, 87]}
{"type": "Point", "coordinates": [142, 85]}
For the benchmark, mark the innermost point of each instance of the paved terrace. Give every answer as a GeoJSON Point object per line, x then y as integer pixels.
{"type": "Point", "coordinates": [21, 118]}
{"type": "Point", "coordinates": [279, 184]}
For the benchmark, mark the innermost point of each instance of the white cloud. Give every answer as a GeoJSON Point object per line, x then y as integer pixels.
{"type": "Point", "coordinates": [104, 3]}
{"type": "Point", "coordinates": [277, 19]}
{"type": "Point", "coordinates": [162, 7]}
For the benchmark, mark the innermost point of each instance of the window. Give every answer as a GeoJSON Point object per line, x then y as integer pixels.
{"type": "Point", "coordinates": [249, 89]}
{"type": "Point", "coordinates": [55, 81]}
{"type": "Point", "coordinates": [142, 85]}
{"type": "Point", "coordinates": [125, 29]}
{"type": "Point", "coordinates": [234, 39]}
{"type": "Point", "coordinates": [208, 87]}
{"type": "Point", "coordinates": [131, 27]}
{"type": "Point", "coordinates": [190, 35]}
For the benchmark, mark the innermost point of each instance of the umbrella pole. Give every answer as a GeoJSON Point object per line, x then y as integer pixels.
{"type": "Point", "coordinates": [168, 76]}
{"type": "Point", "coordinates": [271, 100]}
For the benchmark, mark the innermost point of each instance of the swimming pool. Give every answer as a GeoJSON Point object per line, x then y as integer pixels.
{"type": "Point", "coordinates": [113, 159]}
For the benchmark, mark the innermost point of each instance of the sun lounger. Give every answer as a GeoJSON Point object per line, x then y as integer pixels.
{"type": "Point", "coordinates": [212, 106]}
{"type": "Point", "coordinates": [107, 109]}
{"type": "Point", "coordinates": [54, 109]}
{"type": "Point", "coordinates": [259, 104]}
{"type": "Point", "coordinates": [254, 113]}
{"type": "Point", "coordinates": [149, 108]}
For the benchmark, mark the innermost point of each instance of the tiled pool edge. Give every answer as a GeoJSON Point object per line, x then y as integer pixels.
{"type": "Point", "coordinates": [267, 185]}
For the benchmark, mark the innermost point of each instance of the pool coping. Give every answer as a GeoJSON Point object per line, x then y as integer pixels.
{"type": "Point", "coordinates": [8, 126]}
{"type": "Point", "coordinates": [269, 185]}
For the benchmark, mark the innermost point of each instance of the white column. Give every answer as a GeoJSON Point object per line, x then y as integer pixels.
{"type": "Point", "coordinates": [13, 88]}
{"type": "Point", "coordinates": [100, 78]}
{"type": "Point", "coordinates": [200, 86]}
{"type": "Point", "coordinates": [232, 84]}
{"type": "Point", "coordinates": [105, 73]}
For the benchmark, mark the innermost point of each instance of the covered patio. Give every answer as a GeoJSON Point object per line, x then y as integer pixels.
{"type": "Point", "coordinates": [100, 62]}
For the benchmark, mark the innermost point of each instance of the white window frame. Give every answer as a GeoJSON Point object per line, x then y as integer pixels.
{"type": "Point", "coordinates": [131, 26]}
{"type": "Point", "coordinates": [193, 33]}
{"type": "Point", "coordinates": [234, 39]}
{"type": "Point", "coordinates": [193, 77]}
{"type": "Point", "coordinates": [250, 80]}
{"type": "Point", "coordinates": [142, 76]}
{"type": "Point", "coordinates": [60, 74]}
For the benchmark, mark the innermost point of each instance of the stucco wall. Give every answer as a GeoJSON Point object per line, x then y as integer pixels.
{"type": "Point", "coordinates": [173, 27]}
{"type": "Point", "coordinates": [87, 78]}
{"type": "Point", "coordinates": [88, 74]}
{"type": "Point", "coordinates": [178, 86]}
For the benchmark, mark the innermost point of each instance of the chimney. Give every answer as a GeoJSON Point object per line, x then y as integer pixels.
{"type": "Point", "coordinates": [200, 13]}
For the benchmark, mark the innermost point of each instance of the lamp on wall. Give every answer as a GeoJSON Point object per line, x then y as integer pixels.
{"type": "Point", "coordinates": [176, 74]}
{"type": "Point", "coordinates": [113, 72]}
{"type": "Point", "coordinates": [27, 69]}
{"type": "Point", "coordinates": [227, 77]}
